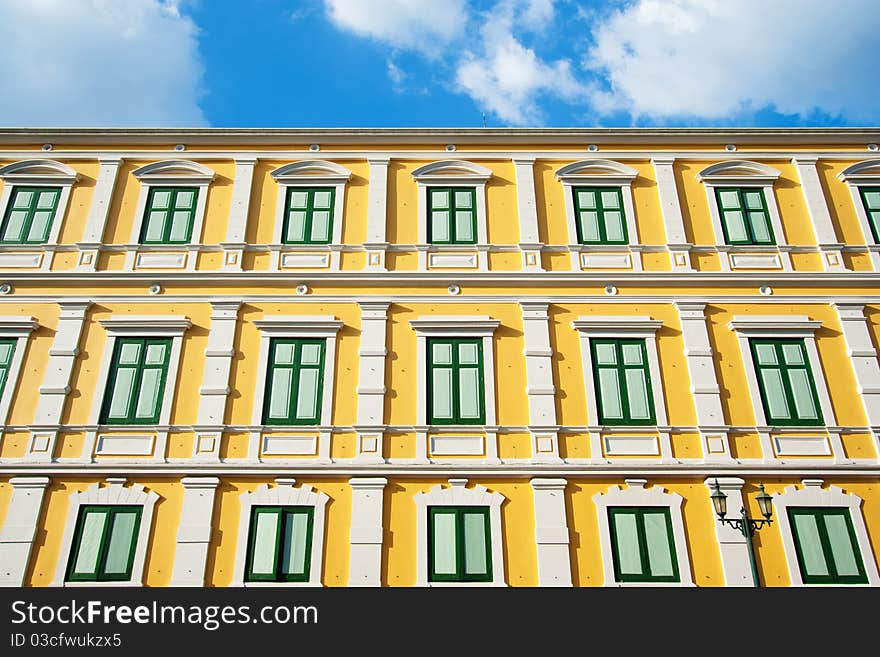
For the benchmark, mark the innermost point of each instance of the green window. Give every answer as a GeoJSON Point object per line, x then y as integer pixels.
{"type": "Point", "coordinates": [280, 544]}
{"type": "Point", "coordinates": [826, 546]}
{"type": "Point", "coordinates": [137, 381]}
{"type": "Point", "coordinates": [642, 545]}
{"type": "Point", "coordinates": [744, 215]}
{"type": "Point", "coordinates": [29, 215]}
{"type": "Point", "coordinates": [103, 543]}
{"type": "Point", "coordinates": [871, 201]}
{"type": "Point", "coordinates": [294, 381]}
{"type": "Point", "coordinates": [788, 391]}
{"type": "Point", "coordinates": [455, 381]}
{"type": "Point", "coordinates": [169, 215]}
{"type": "Point", "coordinates": [7, 348]}
{"type": "Point", "coordinates": [308, 215]}
{"type": "Point", "coordinates": [623, 384]}
{"type": "Point", "coordinates": [452, 215]}
{"type": "Point", "coordinates": [459, 544]}
{"type": "Point", "coordinates": [600, 217]}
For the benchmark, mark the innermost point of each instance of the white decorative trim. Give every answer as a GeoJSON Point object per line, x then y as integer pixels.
{"type": "Point", "coordinates": [539, 380]}
{"type": "Point", "coordinates": [738, 172]}
{"type": "Point", "coordinates": [239, 207]}
{"type": "Point", "coordinates": [817, 207]}
{"type": "Point", "coordinates": [731, 542]}
{"type": "Point", "coordinates": [114, 494]}
{"type": "Point", "coordinates": [673, 222]}
{"type": "Point", "coordinates": [371, 387]}
{"type": "Point", "coordinates": [365, 560]}
{"type": "Point", "coordinates": [812, 494]}
{"type": "Point", "coordinates": [865, 173]}
{"type": "Point", "coordinates": [286, 445]}
{"type": "Point", "coordinates": [282, 494]}
{"type": "Point", "coordinates": [448, 445]}
{"type": "Point", "coordinates": [18, 327]}
{"type": "Point", "coordinates": [801, 445]}
{"type": "Point", "coordinates": [310, 173]}
{"type": "Point", "coordinates": [43, 173]}
{"type": "Point", "coordinates": [863, 356]}
{"type": "Point", "coordinates": [194, 531]}
{"type": "Point", "coordinates": [19, 528]}
{"type": "Point", "coordinates": [620, 445]}
{"type": "Point", "coordinates": [458, 495]}
{"type": "Point", "coordinates": [377, 211]}
{"type": "Point", "coordinates": [551, 532]}
{"type": "Point", "coordinates": [527, 212]}
{"type": "Point", "coordinates": [99, 210]}
{"type": "Point", "coordinates": [637, 495]}
{"type": "Point", "coordinates": [125, 445]}
{"type": "Point", "coordinates": [454, 326]}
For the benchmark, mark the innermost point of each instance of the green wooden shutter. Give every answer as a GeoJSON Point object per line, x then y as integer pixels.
{"type": "Point", "coordinates": [787, 387]}
{"type": "Point", "coordinates": [169, 215]}
{"type": "Point", "coordinates": [308, 215]}
{"type": "Point", "coordinates": [104, 543]}
{"type": "Point", "coordinates": [137, 382]}
{"type": "Point", "coordinates": [280, 544]}
{"type": "Point", "coordinates": [600, 218]}
{"type": "Point", "coordinates": [294, 382]}
{"type": "Point", "coordinates": [623, 382]}
{"type": "Point", "coordinates": [455, 381]}
{"type": "Point", "coordinates": [642, 546]}
{"type": "Point", "coordinates": [744, 215]}
{"type": "Point", "coordinates": [29, 215]}
{"type": "Point", "coordinates": [871, 201]}
{"type": "Point", "coordinates": [452, 215]}
{"type": "Point", "coordinates": [826, 546]}
{"type": "Point", "coordinates": [7, 349]}
{"type": "Point", "coordinates": [459, 544]}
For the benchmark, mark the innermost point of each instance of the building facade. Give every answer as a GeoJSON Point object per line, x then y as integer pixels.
{"type": "Point", "coordinates": [478, 357]}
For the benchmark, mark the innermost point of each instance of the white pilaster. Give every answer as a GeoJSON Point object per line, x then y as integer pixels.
{"type": "Point", "coordinates": [529, 237]}
{"type": "Point", "coordinates": [863, 357]}
{"type": "Point", "coordinates": [365, 563]}
{"type": "Point", "coordinates": [194, 531]}
{"type": "Point", "coordinates": [377, 201]}
{"type": "Point", "coordinates": [731, 542]}
{"type": "Point", "coordinates": [826, 237]}
{"type": "Point", "coordinates": [236, 229]}
{"type": "Point", "coordinates": [214, 391]}
{"type": "Point", "coordinates": [56, 383]}
{"type": "Point", "coordinates": [539, 381]}
{"type": "Point", "coordinates": [676, 238]}
{"type": "Point", "coordinates": [102, 198]}
{"type": "Point", "coordinates": [371, 380]}
{"type": "Point", "coordinates": [704, 382]}
{"type": "Point", "coordinates": [20, 528]}
{"type": "Point", "coordinates": [551, 532]}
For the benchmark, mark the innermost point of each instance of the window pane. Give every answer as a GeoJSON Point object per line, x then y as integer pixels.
{"type": "Point", "coordinates": [299, 199]}
{"type": "Point", "coordinates": [659, 549]}
{"type": "Point", "coordinates": [628, 560]}
{"type": "Point", "coordinates": [14, 225]}
{"type": "Point", "coordinates": [295, 534]}
{"type": "Point", "coordinates": [777, 407]}
{"type": "Point", "coordinates": [5, 353]}
{"type": "Point", "coordinates": [872, 199]}
{"type": "Point", "coordinates": [811, 548]}
{"type": "Point", "coordinates": [766, 354]}
{"type": "Point", "coordinates": [469, 393]}
{"type": "Point", "coordinates": [322, 200]}
{"type": "Point", "coordinates": [736, 226]}
{"type": "Point", "coordinates": [440, 226]}
{"type": "Point", "coordinates": [610, 200]}
{"type": "Point", "coordinates": [753, 200]}
{"type": "Point", "coordinates": [803, 395]}
{"type": "Point", "coordinates": [160, 199]}
{"type": "Point", "coordinates": [180, 226]}
{"type": "Point", "coordinates": [280, 396]}
{"type": "Point", "coordinates": [590, 226]}
{"type": "Point", "coordinates": [760, 227]}
{"type": "Point", "coordinates": [464, 225]}
{"type": "Point", "coordinates": [467, 354]}
{"type": "Point", "coordinates": [637, 394]}
{"type": "Point", "coordinates": [439, 199]}
{"type": "Point", "coordinates": [875, 221]}
{"type": "Point", "coordinates": [23, 199]}
{"type": "Point", "coordinates": [320, 226]}
{"type": "Point", "coordinates": [296, 226]}
{"type": "Point", "coordinates": [793, 354]}
{"type": "Point", "coordinates": [90, 542]}
{"type": "Point", "coordinates": [475, 544]}
{"type": "Point", "coordinates": [586, 200]}
{"type": "Point", "coordinates": [40, 226]}
{"type": "Point", "coordinates": [444, 543]}
{"type": "Point", "coordinates": [284, 354]}
{"type": "Point", "coordinates": [441, 393]}
{"type": "Point", "coordinates": [311, 354]}
{"type": "Point", "coordinates": [155, 354]}
{"type": "Point", "coordinates": [441, 354]}
{"type": "Point", "coordinates": [129, 353]}
{"type": "Point", "coordinates": [184, 199]}
{"type": "Point", "coordinates": [846, 561]}
{"type": "Point", "coordinates": [463, 199]}
{"type": "Point", "coordinates": [614, 226]}
{"type": "Point", "coordinates": [632, 354]}
{"type": "Point", "coordinates": [606, 354]}
{"type": "Point", "coordinates": [122, 390]}
{"type": "Point", "coordinates": [148, 398]}
{"type": "Point", "coordinates": [3, 373]}
{"type": "Point", "coordinates": [610, 394]}
{"type": "Point", "coordinates": [265, 535]}
{"type": "Point", "coordinates": [729, 199]}
{"type": "Point", "coordinates": [119, 549]}
{"type": "Point", "coordinates": [307, 398]}
{"type": "Point", "coordinates": [47, 200]}
{"type": "Point", "coordinates": [155, 226]}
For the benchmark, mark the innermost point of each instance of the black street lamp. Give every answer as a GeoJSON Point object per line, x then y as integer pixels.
{"type": "Point", "coordinates": [746, 526]}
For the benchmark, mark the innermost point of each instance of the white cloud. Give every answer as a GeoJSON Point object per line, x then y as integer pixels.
{"type": "Point", "coordinates": [99, 63]}
{"type": "Point", "coordinates": [716, 59]}
{"type": "Point", "coordinates": [424, 25]}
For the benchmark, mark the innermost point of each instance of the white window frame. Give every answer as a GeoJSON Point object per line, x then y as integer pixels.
{"type": "Point", "coordinates": [642, 327]}
{"type": "Point", "coordinates": [309, 173]}
{"type": "Point", "coordinates": [745, 173]}
{"type": "Point", "coordinates": [169, 173]}
{"type": "Point", "coordinates": [19, 328]}
{"type": "Point", "coordinates": [863, 174]}
{"type": "Point", "coordinates": [636, 495]}
{"type": "Point", "coordinates": [452, 173]}
{"type": "Point", "coordinates": [600, 173]}
{"type": "Point", "coordinates": [455, 326]}
{"type": "Point", "coordinates": [812, 494]}
{"type": "Point", "coordinates": [39, 173]}
{"type": "Point", "coordinates": [458, 495]}
{"type": "Point", "coordinates": [782, 327]}
{"type": "Point", "coordinates": [282, 494]}
{"type": "Point", "coordinates": [114, 494]}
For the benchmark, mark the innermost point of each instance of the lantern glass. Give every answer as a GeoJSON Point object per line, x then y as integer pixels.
{"type": "Point", "coordinates": [719, 501]}
{"type": "Point", "coordinates": [765, 503]}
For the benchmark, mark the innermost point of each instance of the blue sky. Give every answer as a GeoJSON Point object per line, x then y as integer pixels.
{"type": "Point", "coordinates": [441, 63]}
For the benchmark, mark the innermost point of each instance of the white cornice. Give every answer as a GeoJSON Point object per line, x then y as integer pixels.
{"type": "Point", "coordinates": [774, 323]}
{"type": "Point", "coordinates": [146, 324]}
{"type": "Point", "coordinates": [454, 325]}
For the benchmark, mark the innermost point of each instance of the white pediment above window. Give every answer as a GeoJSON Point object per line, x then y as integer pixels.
{"type": "Point", "coordinates": [867, 172]}
{"type": "Point", "coordinates": [174, 171]}
{"type": "Point", "coordinates": [738, 172]}
{"type": "Point", "coordinates": [452, 171]}
{"type": "Point", "coordinates": [311, 171]}
{"type": "Point", "coordinates": [597, 171]}
{"type": "Point", "coordinates": [38, 171]}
